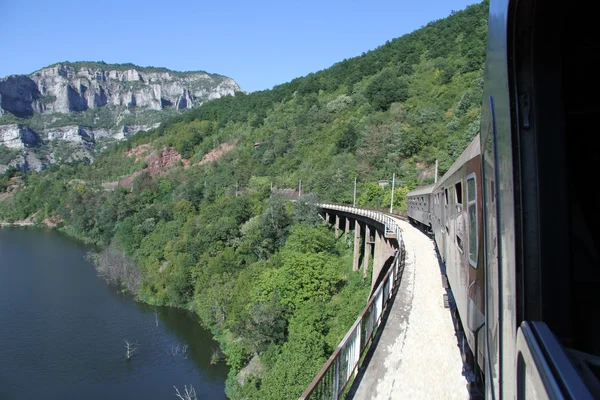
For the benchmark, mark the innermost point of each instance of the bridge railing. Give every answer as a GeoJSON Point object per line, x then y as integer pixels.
{"type": "Point", "coordinates": [343, 364]}
{"type": "Point", "coordinates": [390, 224]}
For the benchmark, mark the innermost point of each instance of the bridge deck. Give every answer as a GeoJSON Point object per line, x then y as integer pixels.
{"type": "Point", "coordinates": [417, 356]}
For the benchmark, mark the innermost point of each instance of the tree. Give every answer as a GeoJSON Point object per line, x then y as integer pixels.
{"type": "Point", "coordinates": [386, 88]}
{"type": "Point", "coordinates": [130, 347]}
{"type": "Point", "coordinates": [188, 394]}
{"type": "Point", "coordinates": [306, 210]}
{"type": "Point", "coordinates": [117, 268]}
{"type": "Point", "coordinates": [370, 195]}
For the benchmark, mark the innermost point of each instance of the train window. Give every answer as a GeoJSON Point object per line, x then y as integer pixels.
{"type": "Point", "coordinates": [472, 214]}
{"type": "Point", "coordinates": [458, 191]}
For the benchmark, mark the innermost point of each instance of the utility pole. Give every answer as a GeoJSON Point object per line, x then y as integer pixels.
{"type": "Point", "coordinates": [393, 183]}
{"type": "Point", "coordinates": [300, 188]}
{"type": "Point", "coordinates": [354, 202]}
{"type": "Point", "coordinates": [236, 189]}
{"type": "Point", "coordinates": [436, 168]}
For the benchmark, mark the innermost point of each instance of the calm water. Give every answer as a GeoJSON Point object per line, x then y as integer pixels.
{"type": "Point", "coordinates": [62, 331]}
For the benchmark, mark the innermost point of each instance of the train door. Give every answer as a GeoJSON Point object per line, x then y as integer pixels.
{"type": "Point", "coordinates": [473, 257]}
{"type": "Point", "coordinates": [444, 227]}
{"type": "Point", "coordinates": [450, 225]}
{"type": "Point", "coordinates": [437, 220]}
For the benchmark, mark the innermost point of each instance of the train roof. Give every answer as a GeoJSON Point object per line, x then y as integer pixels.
{"type": "Point", "coordinates": [421, 190]}
{"type": "Point", "coordinates": [472, 151]}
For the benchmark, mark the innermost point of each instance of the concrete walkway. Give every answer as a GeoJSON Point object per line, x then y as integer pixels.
{"type": "Point", "coordinates": [417, 355]}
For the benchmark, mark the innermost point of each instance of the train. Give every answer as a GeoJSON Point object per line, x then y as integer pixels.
{"type": "Point", "coordinates": [515, 218]}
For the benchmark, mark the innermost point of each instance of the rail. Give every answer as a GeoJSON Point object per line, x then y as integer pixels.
{"type": "Point", "coordinates": [343, 364]}
{"type": "Point", "coordinates": [390, 224]}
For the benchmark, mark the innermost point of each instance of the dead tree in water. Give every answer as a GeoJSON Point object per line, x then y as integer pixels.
{"type": "Point", "coordinates": [131, 348]}
{"type": "Point", "coordinates": [188, 394]}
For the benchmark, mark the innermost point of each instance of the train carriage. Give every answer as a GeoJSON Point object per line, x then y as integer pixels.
{"type": "Point", "coordinates": [514, 219]}
{"type": "Point", "coordinates": [456, 221]}
{"type": "Point", "coordinates": [418, 206]}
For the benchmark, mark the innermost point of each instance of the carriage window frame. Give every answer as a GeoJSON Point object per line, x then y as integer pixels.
{"type": "Point", "coordinates": [458, 197]}
{"type": "Point", "coordinates": [472, 203]}
{"type": "Point", "coordinates": [458, 203]}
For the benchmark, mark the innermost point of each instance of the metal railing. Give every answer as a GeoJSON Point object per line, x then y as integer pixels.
{"type": "Point", "coordinates": [390, 224]}
{"type": "Point", "coordinates": [343, 364]}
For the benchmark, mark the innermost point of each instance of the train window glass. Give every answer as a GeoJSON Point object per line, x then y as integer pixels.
{"type": "Point", "coordinates": [472, 215]}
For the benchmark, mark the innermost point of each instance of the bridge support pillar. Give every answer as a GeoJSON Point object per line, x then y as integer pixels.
{"type": "Point", "coordinates": [326, 218]}
{"type": "Point", "coordinates": [368, 243]}
{"type": "Point", "coordinates": [346, 228]}
{"type": "Point", "coordinates": [337, 226]}
{"type": "Point", "coordinates": [357, 236]}
{"type": "Point", "coordinates": [383, 250]}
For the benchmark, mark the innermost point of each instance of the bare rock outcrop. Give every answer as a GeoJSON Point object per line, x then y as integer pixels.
{"type": "Point", "coordinates": [66, 87]}
{"type": "Point", "coordinates": [79, 103]}
{"type": "Point", "coordinates": [17, 136]}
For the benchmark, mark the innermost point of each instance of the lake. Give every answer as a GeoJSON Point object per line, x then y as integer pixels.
{"type": "Point", "coordinates": [62, 331]}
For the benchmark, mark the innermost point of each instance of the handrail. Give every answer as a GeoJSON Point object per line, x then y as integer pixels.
{"type": "Point", "coordinates": [390, 225]}
{"type": "Point", "coordinates": [343, 364]}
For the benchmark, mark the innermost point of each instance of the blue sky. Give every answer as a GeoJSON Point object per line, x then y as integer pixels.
{"type": "Point", "coordinates": [259, 44]}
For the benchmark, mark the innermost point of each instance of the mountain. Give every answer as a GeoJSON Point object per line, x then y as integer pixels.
{"type": "Point", "coordinates": [60, 112]}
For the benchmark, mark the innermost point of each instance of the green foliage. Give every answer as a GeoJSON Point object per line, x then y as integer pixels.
{"type": "Point", "coordinates": [386, 88]}
{"type": "Point", "coordinates": [371, 195]}
{"type": "Point", "coordinates": [306, 210]}
{"type": "Point", "coordinates": [306, 277]}
{"type": "Point", "coordinates": [6, 154]}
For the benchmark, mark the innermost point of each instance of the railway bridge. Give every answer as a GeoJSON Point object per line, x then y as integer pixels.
{"type": "Point", "coordinates": [376, 236]}
{"type": "Point", "coordinates": [404, 333]}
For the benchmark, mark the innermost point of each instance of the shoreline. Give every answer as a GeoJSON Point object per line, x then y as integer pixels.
{"type": "Point", "coordinates": [20, 224]}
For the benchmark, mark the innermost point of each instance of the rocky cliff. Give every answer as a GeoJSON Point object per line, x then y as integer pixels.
{"type": "Point", "coordinates": [78, 103]}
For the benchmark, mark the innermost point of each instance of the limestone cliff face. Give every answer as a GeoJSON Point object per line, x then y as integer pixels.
{"type": "Point", "coordinates": [75, 104]}
{"type": "Point", "coordinates": [17, 136]}
{"type": "Point", "coordinates": [65, 88]}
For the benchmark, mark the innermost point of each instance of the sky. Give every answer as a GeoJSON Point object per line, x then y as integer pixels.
{"type": "Point", "coordinates": [257, 43]}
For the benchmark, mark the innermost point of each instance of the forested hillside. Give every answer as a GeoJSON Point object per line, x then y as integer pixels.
{"type": "Point", "coordinates": [189, 203]}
